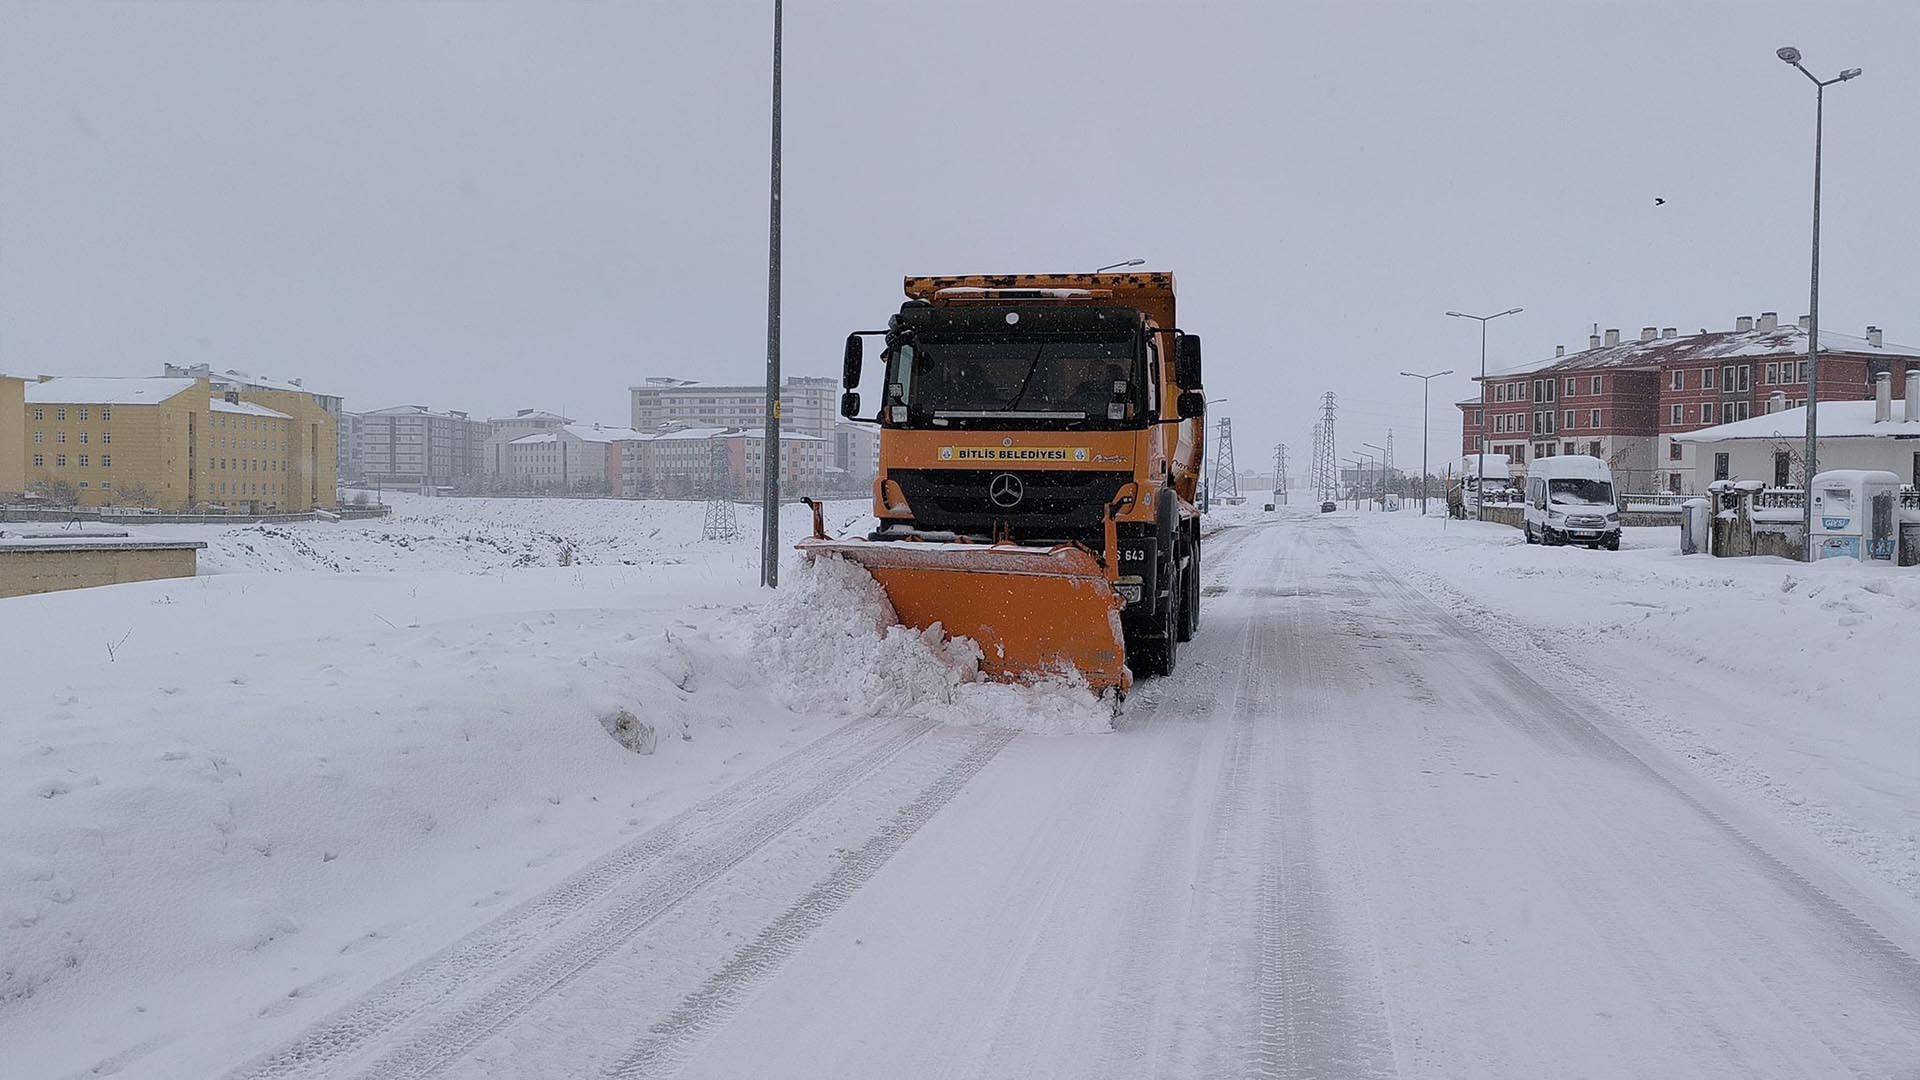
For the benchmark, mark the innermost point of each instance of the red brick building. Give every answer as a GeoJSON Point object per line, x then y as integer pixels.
{"type": "Point", "coordinates": [1623, 401]}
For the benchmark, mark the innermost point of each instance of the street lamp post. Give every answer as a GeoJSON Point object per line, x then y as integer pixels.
{"type": "Point", "coordinates": [1361, 463]}
{"type": "Point", "coordinates": [1480, 463]}
{"type": "Point", "coordinates": [1791, 55]}
{"type": "Point", "coordinates": [770, 469]}
{"type": "Point", "coordinates": [1380, 495]}
{"type": "Point", "coordinates": [1425, 381]}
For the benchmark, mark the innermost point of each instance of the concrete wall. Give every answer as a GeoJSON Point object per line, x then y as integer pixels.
{"type": "Point", "coordinates": [26, 571]}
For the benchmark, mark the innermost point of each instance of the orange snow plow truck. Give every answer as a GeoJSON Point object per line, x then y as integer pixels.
{"type": "Point", "coordinates": [1041, 438]}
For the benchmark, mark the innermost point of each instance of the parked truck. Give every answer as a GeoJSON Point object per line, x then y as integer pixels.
{"type": "Point", "coordinates": [1041, 439]}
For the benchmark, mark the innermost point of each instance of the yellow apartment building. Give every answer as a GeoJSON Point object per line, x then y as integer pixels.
{"type": "Point", "coordinates": [13, 442]}
{"type": "Point", "coordinates": [171, 444]}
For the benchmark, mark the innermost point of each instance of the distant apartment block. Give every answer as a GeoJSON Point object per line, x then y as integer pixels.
{"type": "Point", "coordinates": [717, 462]}
{"type": "Point", "coordinates": [502, 430]}
{"type": "Point", "coordinates": [412, 446]}
{"type": "Point", "coordinates": [808, 405]}
{"type": "Point", "coordinates": [577, 458]}
{"type": "Point", "coordinates": [1627, 401]}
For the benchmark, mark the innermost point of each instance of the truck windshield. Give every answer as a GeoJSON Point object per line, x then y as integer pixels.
{"type": "Point", "coordinates": [1580, 492]}
{"type": "Point", "coordinates": [958, 383]}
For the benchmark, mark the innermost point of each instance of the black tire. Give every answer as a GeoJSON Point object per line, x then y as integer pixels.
{"type": "Point", "coordinates": [1190, 594]}
{"type": "Point", "coordinates": [1153, 652]}
{"type": "Point", "coordinates": [1612, 543]}
{"type": "Point", "coordinates": [1527, 527]}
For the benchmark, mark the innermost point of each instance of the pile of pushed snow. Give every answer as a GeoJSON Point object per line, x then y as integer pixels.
{"type": "Point", "coordinates": [834, 644]}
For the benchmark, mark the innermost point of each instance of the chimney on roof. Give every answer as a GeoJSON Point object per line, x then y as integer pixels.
{"type": "Point", "coordinates": [1649, 333]}
{"type": "Point", "coordinates": [1593, 339]}
{"type": "Point", "coordinates": [1559, 351]}
{"type": "Point", "coordinates": [1776, 401]}
{"type": "Point", "coordinates": [1883, 397]}
{"type": "Point", "coordinates": [1806, 322]}
{"type": "Point", "coordinates": [1743, 324]}
{"type": "Point", "coordinates": [1769, 321]}
{"type": "Point", "coordinates": [1873, 336]}
{"type": "Point", "coordinates": [1910, 410]}
{"type": "Point", "coordinates": [1613, 337]}
{"type": "Point", "coordinates": [1671, 331]}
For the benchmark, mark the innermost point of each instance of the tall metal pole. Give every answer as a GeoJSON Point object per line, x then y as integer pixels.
{"type": "Point", "coordinates": [1480, 466]}
{"type": "Point", "coordinates": [770, 493]}
{"type": "Point", "coordinates": [1426, 382]}
{"type": "Point", "coordinates": [1813, 328]}
{"type": "Point", "coordinates": [1480, 462]}
{"type": "Point", "coordinates": [1791, 55]}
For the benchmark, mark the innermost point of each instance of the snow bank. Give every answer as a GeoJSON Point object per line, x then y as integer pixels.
{"type": "Point", "coordinates": [1777, 679]}
{"type": "Point", "coordinates": [832, 642]}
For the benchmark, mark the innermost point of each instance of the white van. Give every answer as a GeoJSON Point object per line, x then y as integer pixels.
{"type": "Point", "coordinates": [1570, 500]}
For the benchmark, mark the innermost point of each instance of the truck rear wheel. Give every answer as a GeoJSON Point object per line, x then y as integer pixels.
{"type": "Point", "coordinates": [1190, 592]}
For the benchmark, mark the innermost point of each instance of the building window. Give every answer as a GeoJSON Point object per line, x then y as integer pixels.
{"type": "Point", "coordinates": [1706, 378]}
{"type": "Point", "coordinates": [83, 461]}
{"type": "Point", "coordinates": [1679, 413]}
{"type": "Point", "coordinates": [59, 461]}
{"type": "Point", "coordinates": [1593, 419]}
{"type": "Point", "coordinates": [1728, 373]}
{"type": "Point", "coordinates": [39, 414]}
{"type": "Point", "coordinates": [1783, 462]}
{"type": "Point", "coordinates": [1744, 407]}
{"type": "Point", "coordinates": [1706, 412]}
{"type": "Point", "coordinates": [106, 461]}
{"type": "Point", "coordinates": [1596, 384]}
{"type": "Point", "coordinates": [1569, 420]}
{"type": "Point", "coordinates": [83, 412]}
{"type": "Point", "coordinates": [1802, 376]}
{"type": "Point", "coordinates": [106, 437]}
{"type": "Point", "coordinates": [1720, 466]}
{"type": "Point", "coordinates": [1572, 386]}
{"type": "Point", "coordinates": [83, 484]}
{"type": "Point", "coordinates": [1569, 449]}
{"type": "Point", "coordinates": [39, 437]}
{"type": "Point", "coordinates": [1593, 448]}
{"type": "Point", "coordinates": [1679, 379]}
{"type": "Point", "coordinates": [106, 485]}
{"type": "Point", "coordinates": [83, 438]}
{"type": "Point", "coordinates": [106, 413]}
{"type": "Point", "coordinates": [1773, 373]}
{"type": "Point", "coordinates": [40, 460]}
{"type": "Point", "coordinates": [59, 414]}
{"type": "Point", "coordinates": [1673, 451]}
{"type": "Point", "coordinates": [1673, 482]}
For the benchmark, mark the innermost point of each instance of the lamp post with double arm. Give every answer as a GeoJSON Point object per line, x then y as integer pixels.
{"type": "Point", "coordinates": [1480, 464]}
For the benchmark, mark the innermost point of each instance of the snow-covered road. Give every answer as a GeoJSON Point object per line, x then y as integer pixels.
{"type": "Point", "coordinates": [1348, 838]}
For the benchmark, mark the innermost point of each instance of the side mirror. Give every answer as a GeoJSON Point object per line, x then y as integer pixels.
{"type": "Point", "coordinates": [1191, 404]}
{"type": "Point", "coordinates": [850, 365]}
{"type": "Point", "coordinates": [1186, 364]}
{"type": "Point", "coordinates": [850, 404]}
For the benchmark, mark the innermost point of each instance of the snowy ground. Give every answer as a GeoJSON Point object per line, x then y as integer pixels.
{"type": "Point", "coordinates": [1420, 801]}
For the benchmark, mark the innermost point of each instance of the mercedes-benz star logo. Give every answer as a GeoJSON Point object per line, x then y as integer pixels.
{"type": "Point", "coordinates": [1005, 490]}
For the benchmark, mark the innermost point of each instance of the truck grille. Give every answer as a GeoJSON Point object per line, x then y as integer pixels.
{"type": "Point", "coordinates": [1585, 521]}
{"type": "Point", "coordinates": [1053, 504]}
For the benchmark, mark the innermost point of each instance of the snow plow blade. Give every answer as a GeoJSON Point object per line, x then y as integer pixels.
{"type": "Point", "coordinates": [1034, 611]}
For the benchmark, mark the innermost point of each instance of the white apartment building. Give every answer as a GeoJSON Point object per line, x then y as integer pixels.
{"type": "Point", "coordinates": [809, 405]}
{"type": "Point", "coordinates": [703, 462]}
{"type": "Point", "coordinates": [414, 446]}
{"type": "Point", "coordinates": [570, 457]}
{"type": "Point", "coordinates": [504, 429]}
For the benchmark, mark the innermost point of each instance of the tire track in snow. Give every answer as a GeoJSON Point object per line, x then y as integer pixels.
{"type": "Point", "coordinates": [693, 846]}
{"type": "Point", "coordinates": [670, 1042]}
{"type": "Point", "coordinates": [1896, 969]}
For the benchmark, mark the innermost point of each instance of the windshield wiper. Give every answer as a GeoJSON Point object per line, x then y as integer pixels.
{"type": "Point", "coordinates": [1021, 393]}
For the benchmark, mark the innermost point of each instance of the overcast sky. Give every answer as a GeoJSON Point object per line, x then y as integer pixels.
{"type": "Point", "coordinates": [503, 205]}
